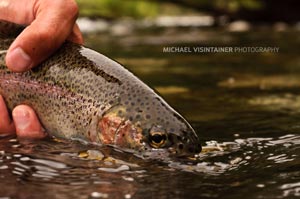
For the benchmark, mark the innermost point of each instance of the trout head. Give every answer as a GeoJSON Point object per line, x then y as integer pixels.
{"type": "Point", "coordinates": [147, 132]}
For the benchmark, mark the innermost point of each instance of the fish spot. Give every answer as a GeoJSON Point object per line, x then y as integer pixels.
{"type": "Point", "coordinates": [180, 146]}
{"type": "Point", "coordinates": [191, 149]}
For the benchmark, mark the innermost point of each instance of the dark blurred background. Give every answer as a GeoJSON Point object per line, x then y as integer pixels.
{"type": "Point", "coordinates": [250, 10]}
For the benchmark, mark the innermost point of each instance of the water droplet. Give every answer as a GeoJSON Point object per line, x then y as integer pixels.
{"type": "Point", "coordinates": [113, 170]}
{"type": "Point", "coordinates": [25, 159]}
{"type": "Point", "coordinates": [3, 167]}
{"type": "Point", "coordinates": [130, 179]}
{"type": "Point", "coordinates": [248, 157]}
{"type": "Point", "coordinates": [99, 195]}
{"type": "Point", "coordinates": [50, 163]}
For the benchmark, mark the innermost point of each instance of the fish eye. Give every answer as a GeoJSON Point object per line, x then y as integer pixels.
{"type": "Point", "coordinates": [157, 139]}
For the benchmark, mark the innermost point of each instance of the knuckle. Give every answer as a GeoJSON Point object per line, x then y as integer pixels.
{"type": "Point", "coordinates": [72, 8]}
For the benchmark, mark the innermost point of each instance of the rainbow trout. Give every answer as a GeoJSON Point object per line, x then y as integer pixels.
{"type": "Point", "coordinates": [80, 94]}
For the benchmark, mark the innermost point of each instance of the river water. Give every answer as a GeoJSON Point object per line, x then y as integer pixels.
{"type": "Point", "coordinates": [245, 108]}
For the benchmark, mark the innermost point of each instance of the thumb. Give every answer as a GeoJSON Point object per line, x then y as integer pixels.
{"type": "Point", "coordinates": [39, 40]}
{"type": "Point", "coordinates": [27, 124]}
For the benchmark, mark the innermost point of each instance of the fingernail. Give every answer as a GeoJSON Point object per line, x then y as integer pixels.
{"type": "Point", "coordinates": [21, 118]}
{"type": "Point", "coordinates": [20, 59]}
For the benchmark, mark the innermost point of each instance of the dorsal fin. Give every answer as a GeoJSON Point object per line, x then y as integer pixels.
{"type": "Point", "coordinates": [10, 30]}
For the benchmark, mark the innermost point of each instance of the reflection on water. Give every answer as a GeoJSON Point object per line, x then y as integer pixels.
{"type": "Point", "coordinates": [73, 169]}
{"type": "Point", "coordinates": [245, 108]}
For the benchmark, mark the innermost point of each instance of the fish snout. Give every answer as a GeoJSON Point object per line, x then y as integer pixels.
{"type": "Point", "coordinates": [185, 145]}
{"type": "Point", "coordinates": [189, 148]}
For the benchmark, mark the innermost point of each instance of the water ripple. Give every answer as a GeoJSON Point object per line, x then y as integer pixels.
{"type": "Point", "coordinates": [116, 174]}
{"type": "Point", "coordinates": [291, 189]}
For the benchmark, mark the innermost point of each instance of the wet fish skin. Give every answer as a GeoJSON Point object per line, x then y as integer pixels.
{"type": "Point", "coordinates": [79, 93]}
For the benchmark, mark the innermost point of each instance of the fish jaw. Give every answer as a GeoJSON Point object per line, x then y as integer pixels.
{"type": "Point", "coordinates": [117, 131]}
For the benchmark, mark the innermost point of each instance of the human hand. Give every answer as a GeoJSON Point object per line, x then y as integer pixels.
{"type": "Point", "coordinates": [25, 122]}
{"type": "Point", "coordinates": [50, 23]}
